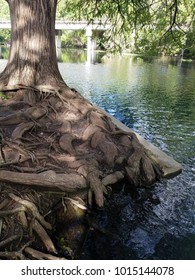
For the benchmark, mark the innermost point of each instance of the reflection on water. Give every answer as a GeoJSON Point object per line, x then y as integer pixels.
{"type": "Point", "coordinates": [71, 55]}
{"type": "Point", "coordinates": [155, 97]}
{"type": "Point", "coordinates": [66, 55]}
{"type": "Point", "coordinates": [79, 56]}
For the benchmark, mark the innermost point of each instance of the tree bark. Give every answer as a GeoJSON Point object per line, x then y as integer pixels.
{"type": "Point", "coordinates": [32, 59]}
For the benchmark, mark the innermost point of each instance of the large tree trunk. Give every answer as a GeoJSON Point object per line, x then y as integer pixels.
{"type": "Point", "coordinates": [32, 59]}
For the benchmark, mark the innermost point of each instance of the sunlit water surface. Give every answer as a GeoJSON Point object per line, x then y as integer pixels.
{"type": "Point", "coordinates": [156, 98]}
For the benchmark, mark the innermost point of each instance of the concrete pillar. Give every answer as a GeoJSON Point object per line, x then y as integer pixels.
{"type": "Point", "coordinates": [89, 42]}
{"type": "Point", "coordinates": [58, 39]}
{"type": "Point", "coordinates": [59, 54]}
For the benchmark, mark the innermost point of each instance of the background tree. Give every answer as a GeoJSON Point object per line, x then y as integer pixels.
{"type": "Point", "coordinates": [157, 26]}
{"type": "Point", "coordinates": [4, 14]}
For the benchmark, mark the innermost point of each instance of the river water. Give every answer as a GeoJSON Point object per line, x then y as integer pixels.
{"type": "Point", "coordinates": [156, 98]}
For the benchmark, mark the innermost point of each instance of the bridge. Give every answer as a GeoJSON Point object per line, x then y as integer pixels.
{"type": "Point", "coordinates": [68, 25]}
{"type": "Point", "coordinates": [71, 25]}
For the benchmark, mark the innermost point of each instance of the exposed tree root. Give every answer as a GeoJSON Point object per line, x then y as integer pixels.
{"type": "Point", "coordinates": [31, 206]}
{"type": "Point", "coordinates": [37, 255]}
{"type": "Point", "coordinates": [67, 182]}
{"type": "Point", "coordinates": [37, 227]}
{"type": "Point", "coordinates": [52, 139]}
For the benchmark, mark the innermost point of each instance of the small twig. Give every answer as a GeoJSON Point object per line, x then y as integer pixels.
{"type": "Point", "coordinates": [12, 255]}
{"type": "Point", "coordinates": [9, 240]}
{"type": "Point", "coordinates": [1, 225]}
{"type": "Point", "coordinates": [27, 244]}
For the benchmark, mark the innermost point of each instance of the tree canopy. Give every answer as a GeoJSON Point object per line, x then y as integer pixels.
{"type": "Point", "coordinates": [153, 25]}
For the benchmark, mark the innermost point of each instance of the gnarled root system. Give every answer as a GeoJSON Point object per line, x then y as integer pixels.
{"type": "Point", "coordinates": [53, 140]}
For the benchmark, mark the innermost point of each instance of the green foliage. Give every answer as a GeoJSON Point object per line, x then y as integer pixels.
{"type": "Point", "coordinates": [171, 28]}
{"type": "Point", "coordinates": [4, 36]}
{"type": "Point", "coordinates": [75, 38]}
{"type": "Point", "coordinates": [4, 10]}
{"type": "Point", "coordinates": [149, 26]}
{"type": "Point", "coordinates": [118, 13]}
{"type": "Point", "coordinates": [4, 14]}
{"type": "Point", "coordinates": [63, 12]}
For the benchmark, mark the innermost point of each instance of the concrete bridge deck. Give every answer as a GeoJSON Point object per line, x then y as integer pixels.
{"type": "Point", "coordinates": [72, 25]}
{"type": "Point", "coordinates": [68, 25]}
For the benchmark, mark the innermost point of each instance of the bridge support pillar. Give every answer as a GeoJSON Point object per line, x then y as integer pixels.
{"type": "Point", "coordinates": [89, 43]}
{"type": "Point", "coordinates": [58, 39]}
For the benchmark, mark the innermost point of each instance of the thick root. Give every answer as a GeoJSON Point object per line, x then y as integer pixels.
{"type": "Point", "coordinates": [68, 183]}
{"type": "Point", "coordinates": [37, 227]}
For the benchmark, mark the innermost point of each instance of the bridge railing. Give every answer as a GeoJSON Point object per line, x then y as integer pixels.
{"type": "Point", "coordinates": [62, 24]}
